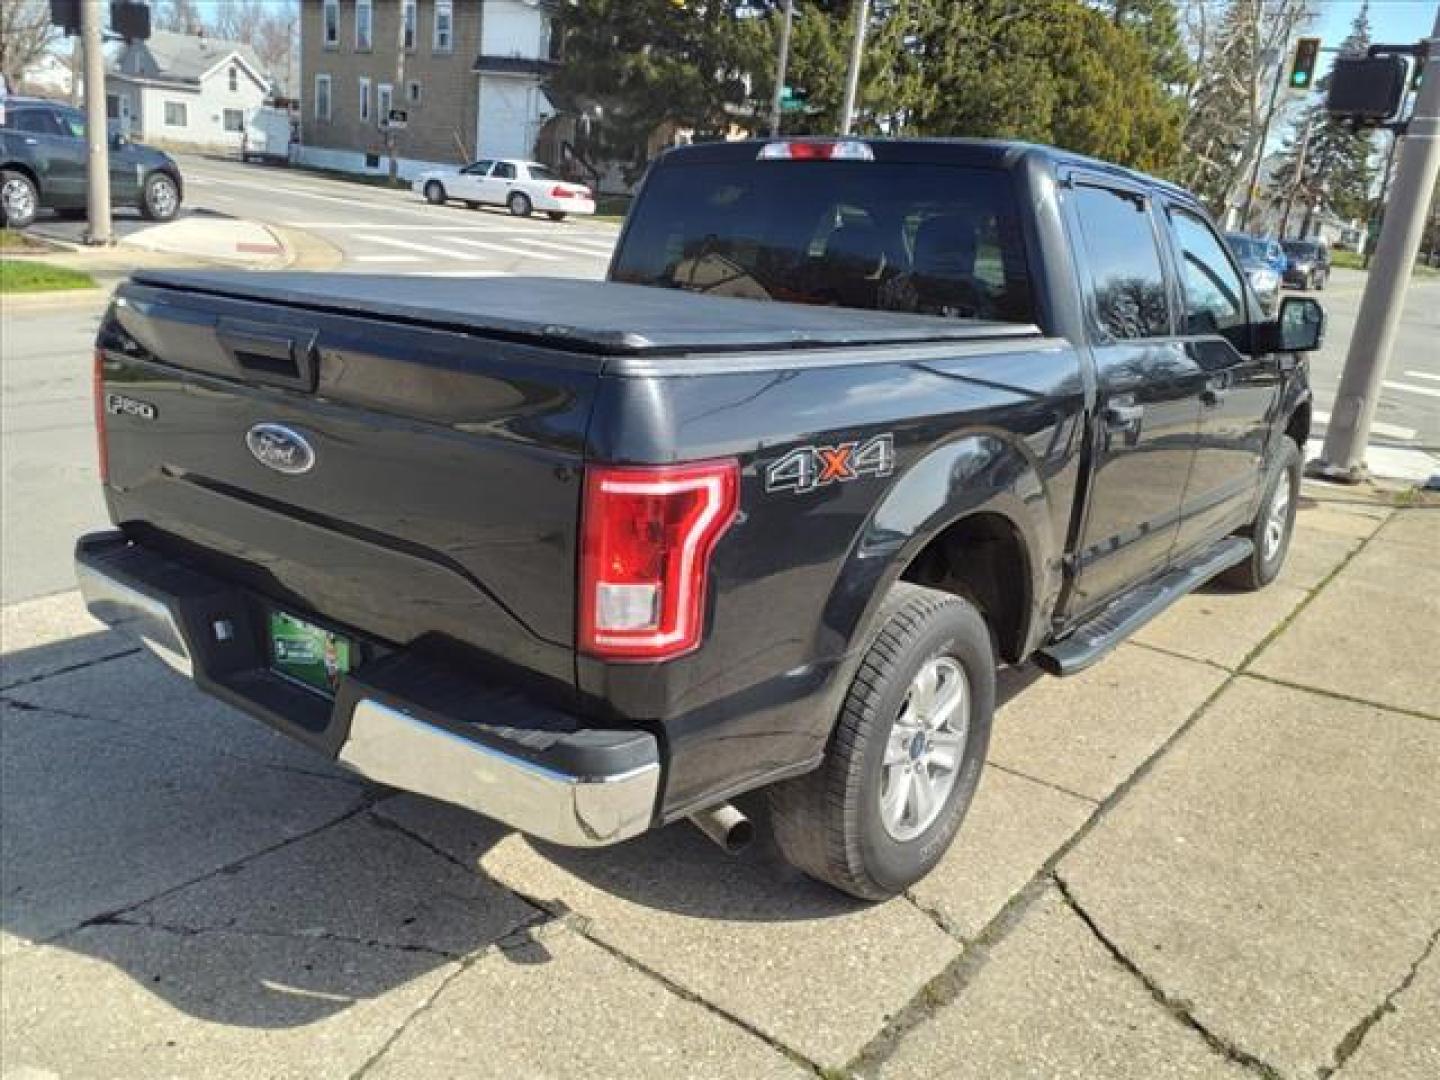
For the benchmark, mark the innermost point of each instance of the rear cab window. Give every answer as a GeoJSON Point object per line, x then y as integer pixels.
{"type": "Point", "coordinates": [936, 239]}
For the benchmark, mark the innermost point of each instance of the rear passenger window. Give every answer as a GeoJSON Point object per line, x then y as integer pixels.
{"type": "Point", "coordinates": [1124, 263]}
{"type": "Point", "coordinates": [1214, 295]}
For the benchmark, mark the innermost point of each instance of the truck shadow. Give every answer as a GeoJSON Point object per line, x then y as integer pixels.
{"type": "Point", "coordinates": [244, 881]}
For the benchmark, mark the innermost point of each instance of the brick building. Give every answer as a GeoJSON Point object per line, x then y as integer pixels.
{"type": "Point", "coordinates": [472, 80]}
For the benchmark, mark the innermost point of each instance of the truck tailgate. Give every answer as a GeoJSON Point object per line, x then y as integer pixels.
{"type": "Point", "coordinates": [402, 481]}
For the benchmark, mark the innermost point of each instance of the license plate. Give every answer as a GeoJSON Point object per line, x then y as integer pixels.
{"type": "Point", "coordinates": [308, 653]}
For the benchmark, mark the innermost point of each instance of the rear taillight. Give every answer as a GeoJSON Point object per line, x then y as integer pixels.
{"type": "Point", "coordinates": [817, 150]}
{"type": "Point", "coordinates": [560, 191]}
{"type": "Point", "coordinates": [100, 438]}
{"type": "Point", "coordinates": [645, 544]}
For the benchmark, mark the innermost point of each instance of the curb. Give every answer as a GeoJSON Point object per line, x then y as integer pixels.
{"type": "Point", "coordinates": [306, 251]}
{"type": "Point", "coordinates": [56, 299]}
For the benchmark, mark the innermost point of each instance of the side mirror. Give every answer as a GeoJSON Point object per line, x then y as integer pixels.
{"type": "Point", "coordinates": [1300, 325]}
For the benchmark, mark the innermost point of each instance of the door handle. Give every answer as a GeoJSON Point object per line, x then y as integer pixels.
{"type": "Point", "coordinates": [32, 142]}
{"type": "Point", "coordinates": [1124, 415]}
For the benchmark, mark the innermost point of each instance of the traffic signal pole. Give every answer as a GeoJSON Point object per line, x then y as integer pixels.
{"type": "Point", "coordinates": [781, 66]}
{"type": "Point", "coordinates": [1348, 433]}
{"type": "Point", "coordinates": [852, 79]}
{"type": "Point", "coordinates": [97, 133]}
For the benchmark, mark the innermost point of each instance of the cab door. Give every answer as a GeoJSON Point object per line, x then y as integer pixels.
{"type": "Point", "coordinates": [469, 184]}
{"type": "Point", "coordinates": [59, 159]}
{"type": "Point", "coordinates": [1241, 389]}
{"type": "Point", "coordinates": [500, 183]}
{"type": "Point", "coordinates": [1148, 406]}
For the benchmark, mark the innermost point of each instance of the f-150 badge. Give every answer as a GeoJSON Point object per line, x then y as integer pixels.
{"type": "Point", "coordinates": [809, 467]}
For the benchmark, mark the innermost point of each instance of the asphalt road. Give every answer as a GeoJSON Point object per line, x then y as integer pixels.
{"type": "Point", "coordinates": [49, 487]}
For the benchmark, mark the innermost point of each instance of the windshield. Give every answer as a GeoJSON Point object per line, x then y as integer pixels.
{"type": "Point", "coordinates": [1246, 248]}
{"type": "Point", "coordinates": [1300, 250]}
{"type": "Point", "coordinates": [938, 240]}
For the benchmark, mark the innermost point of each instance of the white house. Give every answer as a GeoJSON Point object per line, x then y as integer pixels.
{"type": "Point", "coordinates": [184, 89]}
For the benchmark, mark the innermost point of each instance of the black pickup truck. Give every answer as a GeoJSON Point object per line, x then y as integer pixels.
{"type": "Point", "coordinates": [593, 557]}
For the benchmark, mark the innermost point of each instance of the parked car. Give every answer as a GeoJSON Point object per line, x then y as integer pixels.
{"type": "Point", "coordinates": [1259, 265]}
{"type": "Point", "coordinates": [1307, 264]}
{"type": "Point", "coordinates": [44, 163]}
{"type": "Point", "coordinates": [522, 186]}
{"type": "Point", "coordinates": [594, 557]}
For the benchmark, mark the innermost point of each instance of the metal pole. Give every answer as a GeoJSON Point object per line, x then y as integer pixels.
{"type": "Point", "coordinates": [1348, 434]}
{"type": "Point", "coordinates": [780, 68]}
{"type": "Point", "coordinates": [397, 93]}
{"type": "Point", "coordinates": [852, 79]}
{"type": "Point", "coordinates": [97, 133]}
{"type": "Point", "coordinates": [1376, 215]}
{"type": "Point", "coordinates": [1260, 150]}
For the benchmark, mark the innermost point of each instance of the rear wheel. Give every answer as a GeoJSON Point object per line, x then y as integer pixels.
{"type": "Point", "coordinates": [435, 192]}
{"type": "Point", "coordinates": [160, 198]}
{"type": "Point", "coordinates": [555, 215]}
{"type": "Point", "coordinates": [1273, 525]}
{"type": "Point", "coordinates": [19, 200]}
{"type": "Point", "coordinates": [904, 759]}
{"type": "Point", "coordinates": [519, 204]}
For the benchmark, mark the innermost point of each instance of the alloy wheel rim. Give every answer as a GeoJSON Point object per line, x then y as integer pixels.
{"type": "Point", "coordinates": [162, 197]}
{"type": "Point", "coordinates": [925, 748]}
{"type": "Point", "coordinates": [19, 202]}
{"type": "Point", "coordinates": [1277, 519]}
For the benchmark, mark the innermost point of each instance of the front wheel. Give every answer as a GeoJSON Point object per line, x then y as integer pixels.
{"type": "Point", "coordinates": [160, 199]}
{"type": "Point", "coordinates": [519, 204]}
{"type": "Point", "coordinates": [904, 759]}
{"type": "Point", "coordinates": [19, 201]}
{"type": "Point", "coordinates": [435, 192]}
{"type": "Point", "coordinates": [1274, 523]}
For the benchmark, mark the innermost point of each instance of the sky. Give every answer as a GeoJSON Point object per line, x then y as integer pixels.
{"type": "Point", "coordinates": [1393, 22]}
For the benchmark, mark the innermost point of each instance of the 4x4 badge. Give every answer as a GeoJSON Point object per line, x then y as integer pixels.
{"type": "Point", "coordinates": [809, 467]}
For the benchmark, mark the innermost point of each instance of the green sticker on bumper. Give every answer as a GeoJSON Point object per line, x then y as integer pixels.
{"type": "Point", "coordinates": [308, 653]}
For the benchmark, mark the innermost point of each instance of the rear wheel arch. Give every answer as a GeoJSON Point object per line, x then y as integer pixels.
{"type": "Point", "coordinates": [25, 171]}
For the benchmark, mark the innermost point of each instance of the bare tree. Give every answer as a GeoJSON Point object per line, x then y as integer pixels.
{"type": "Point", "coordinates": [270, 29]}
{"type": "Point", "coordinates": [26, 34]}
{"type": "Point", "coordinates": [180, 16]}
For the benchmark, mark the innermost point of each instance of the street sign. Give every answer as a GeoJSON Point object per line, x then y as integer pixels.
{"type": "Point", "coordinates": [793, 99]}
{"type": "Point", "coordinates": [397, 119]}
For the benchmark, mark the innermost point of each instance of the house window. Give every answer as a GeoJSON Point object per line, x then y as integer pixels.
{"type": "Point", "coordinates": [332, 24]}
{"type": "Point", "coordinates": [444, 26]}
{"type": "Point", "coordinates": [322, 97]}
{"type": "Point", "coordinates": [363, 12]}
{"type": "Point", "coordinates": [384, 100]}
{"type": "Point", "coordinates": [412, 92]}
{"type": "Point", "coordinates": [175, 114]}
{"type": "Point", "coordinates": [234, 119]}
{"type": "Point", "coordinates": [364, 99]}
{"type": "Point", "coordinates": [410, 25]}
{"type": "Point", "coordinates": [234, 78]}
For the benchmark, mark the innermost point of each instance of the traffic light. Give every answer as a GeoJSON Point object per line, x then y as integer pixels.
{"type": "Point", "coordinates": [66, 15]}
{"type": "Point", "coordinates": [1302, 71]}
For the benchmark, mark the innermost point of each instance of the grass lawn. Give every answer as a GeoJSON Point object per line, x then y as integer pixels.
{"type": "Point", "coordinates": [1351, 260]}
{"type": "Point", "coordinates": [25, 276]}
{"type": "Point", "coordinates": [10, 240]}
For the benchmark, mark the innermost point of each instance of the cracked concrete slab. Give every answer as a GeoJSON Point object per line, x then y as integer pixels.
{"type": "Point", "coordinates": [1418, 528]}
{"type": "Point", "coordinates": [1353, 624]}
{"type": "Point", "coordinates": [97, 819]}
{"type": "Point", "coordinates": [142, 694]}
{"type": "Point", "coordinates": [1356, 520]}
{"type": "Point", "coordinates": [40, 637]}
{"type": "Point", "coordinates": [1088, 733]}
{"type": "Point", "coordinates": [1051, 1001]}
{"type": "Point", "coordinates": [361, 881]}
{"type": "Point", "coordinates": [1404, 1044]}
{"type": "Point", "coordinates": [121, 1000]}
{"type": "Point", "coordinates": [1014, 825]}
{"type": "Point", "coordinates": [1276, 869]}
{"type": "Point", "coordinates": [622, 1023]}
{"type": "Point", "coordinates": [1220, 625]}
{"type": "Point", "coordinates": [1314, 554]}
{"type": "Point", "coordinates": [812, 969]}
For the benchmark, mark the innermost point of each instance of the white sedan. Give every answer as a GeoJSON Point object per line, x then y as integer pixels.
{"type": "Point", "coordinates": [523, 186]}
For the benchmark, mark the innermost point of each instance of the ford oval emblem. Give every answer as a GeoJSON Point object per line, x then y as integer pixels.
{"type": "Point", "coordinates": [280, 448]}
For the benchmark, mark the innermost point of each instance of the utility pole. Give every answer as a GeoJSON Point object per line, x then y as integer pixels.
{"type": "Point", "coordinates": [1260, 149]}
{"type": "Point", "coordinates": [1348, 434]}
{"type": "Point", "coordinates": [780, 68]}
{"type": "Point", "coordinates": [397, 93]}
{"type": "Point", "coordinates": [852, 79]}
{"type": "Point", "coordinates": [97, 133]}
{"type": "Point", "coordinates": [1379, 210]}
{"type": "Point", "coordinates": [1299, 175]}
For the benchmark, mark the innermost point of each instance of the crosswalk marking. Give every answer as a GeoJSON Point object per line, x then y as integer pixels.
{"type": "Point", "coordinates": [424, 249]}
{"type": "Point", "coordinates": [549, 245]}
{"type": "Point", "coordinates": [1407, 388]}
{"type": "Point", "coordinates": [1377, 427]}
{"type": "Point", "coordinates": [1422, 375]}
{"type": "Point", "coordinates": [488, 246]}
{"type": "Point", "coordinates": [386, 258]}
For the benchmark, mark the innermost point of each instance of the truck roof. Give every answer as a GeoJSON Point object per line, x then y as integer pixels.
{"type": "Point", "coordinates": [597, 317]}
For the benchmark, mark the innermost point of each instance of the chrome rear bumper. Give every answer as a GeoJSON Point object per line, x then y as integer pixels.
{"type": "Point", "coordinates": [585, 789]}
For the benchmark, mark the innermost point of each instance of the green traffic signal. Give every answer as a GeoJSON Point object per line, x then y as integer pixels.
{"type": "Point", "coordinates": [1302, 71]}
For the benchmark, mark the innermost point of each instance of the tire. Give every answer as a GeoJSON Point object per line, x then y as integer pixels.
{"type": "Point", "coordinates": [831, 823]}
{"type": "Point", "coordinates": [160, 197]}
{"type": "Point", "coordinates": [555, 215]}
{"type": "Point", "coordinates": [1271, 533]}
{"type": "Point", "coordinates": [19, 200]}
{"type": "Point", "coordinates": [520, 204]}
{"type": "Point", "coordinates": [1324, 280]}
{"type": "Point", "coordinates": [435, 193]}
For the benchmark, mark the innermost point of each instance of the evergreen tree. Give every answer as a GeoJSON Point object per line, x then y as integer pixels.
{"type": "Point", "coordinates": [1156, 24]}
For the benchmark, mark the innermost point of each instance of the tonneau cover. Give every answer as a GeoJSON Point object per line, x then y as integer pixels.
{"type": "Point", "coordinates": [587, 316]}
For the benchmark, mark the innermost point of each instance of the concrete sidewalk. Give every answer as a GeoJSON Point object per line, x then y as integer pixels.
{"type": "Point", "coordinates": [1215, 854]}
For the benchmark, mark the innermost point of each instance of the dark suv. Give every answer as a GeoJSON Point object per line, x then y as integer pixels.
{"type": "Point", "coordinates": [1307, 264]}
{"type": "Point", "coordinates": [43, 163]}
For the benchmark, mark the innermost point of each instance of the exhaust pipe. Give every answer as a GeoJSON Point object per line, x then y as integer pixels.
{"type": "Point", "coordinates": [727, 826]}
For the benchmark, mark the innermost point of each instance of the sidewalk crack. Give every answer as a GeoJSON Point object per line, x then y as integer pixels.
{"type": "Point", "coordinates": [70, 669]}
{"type": "Point", "coordinates": [1180, 1009]}
{"type": "Point", "coordinates": [1356, 1035]}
